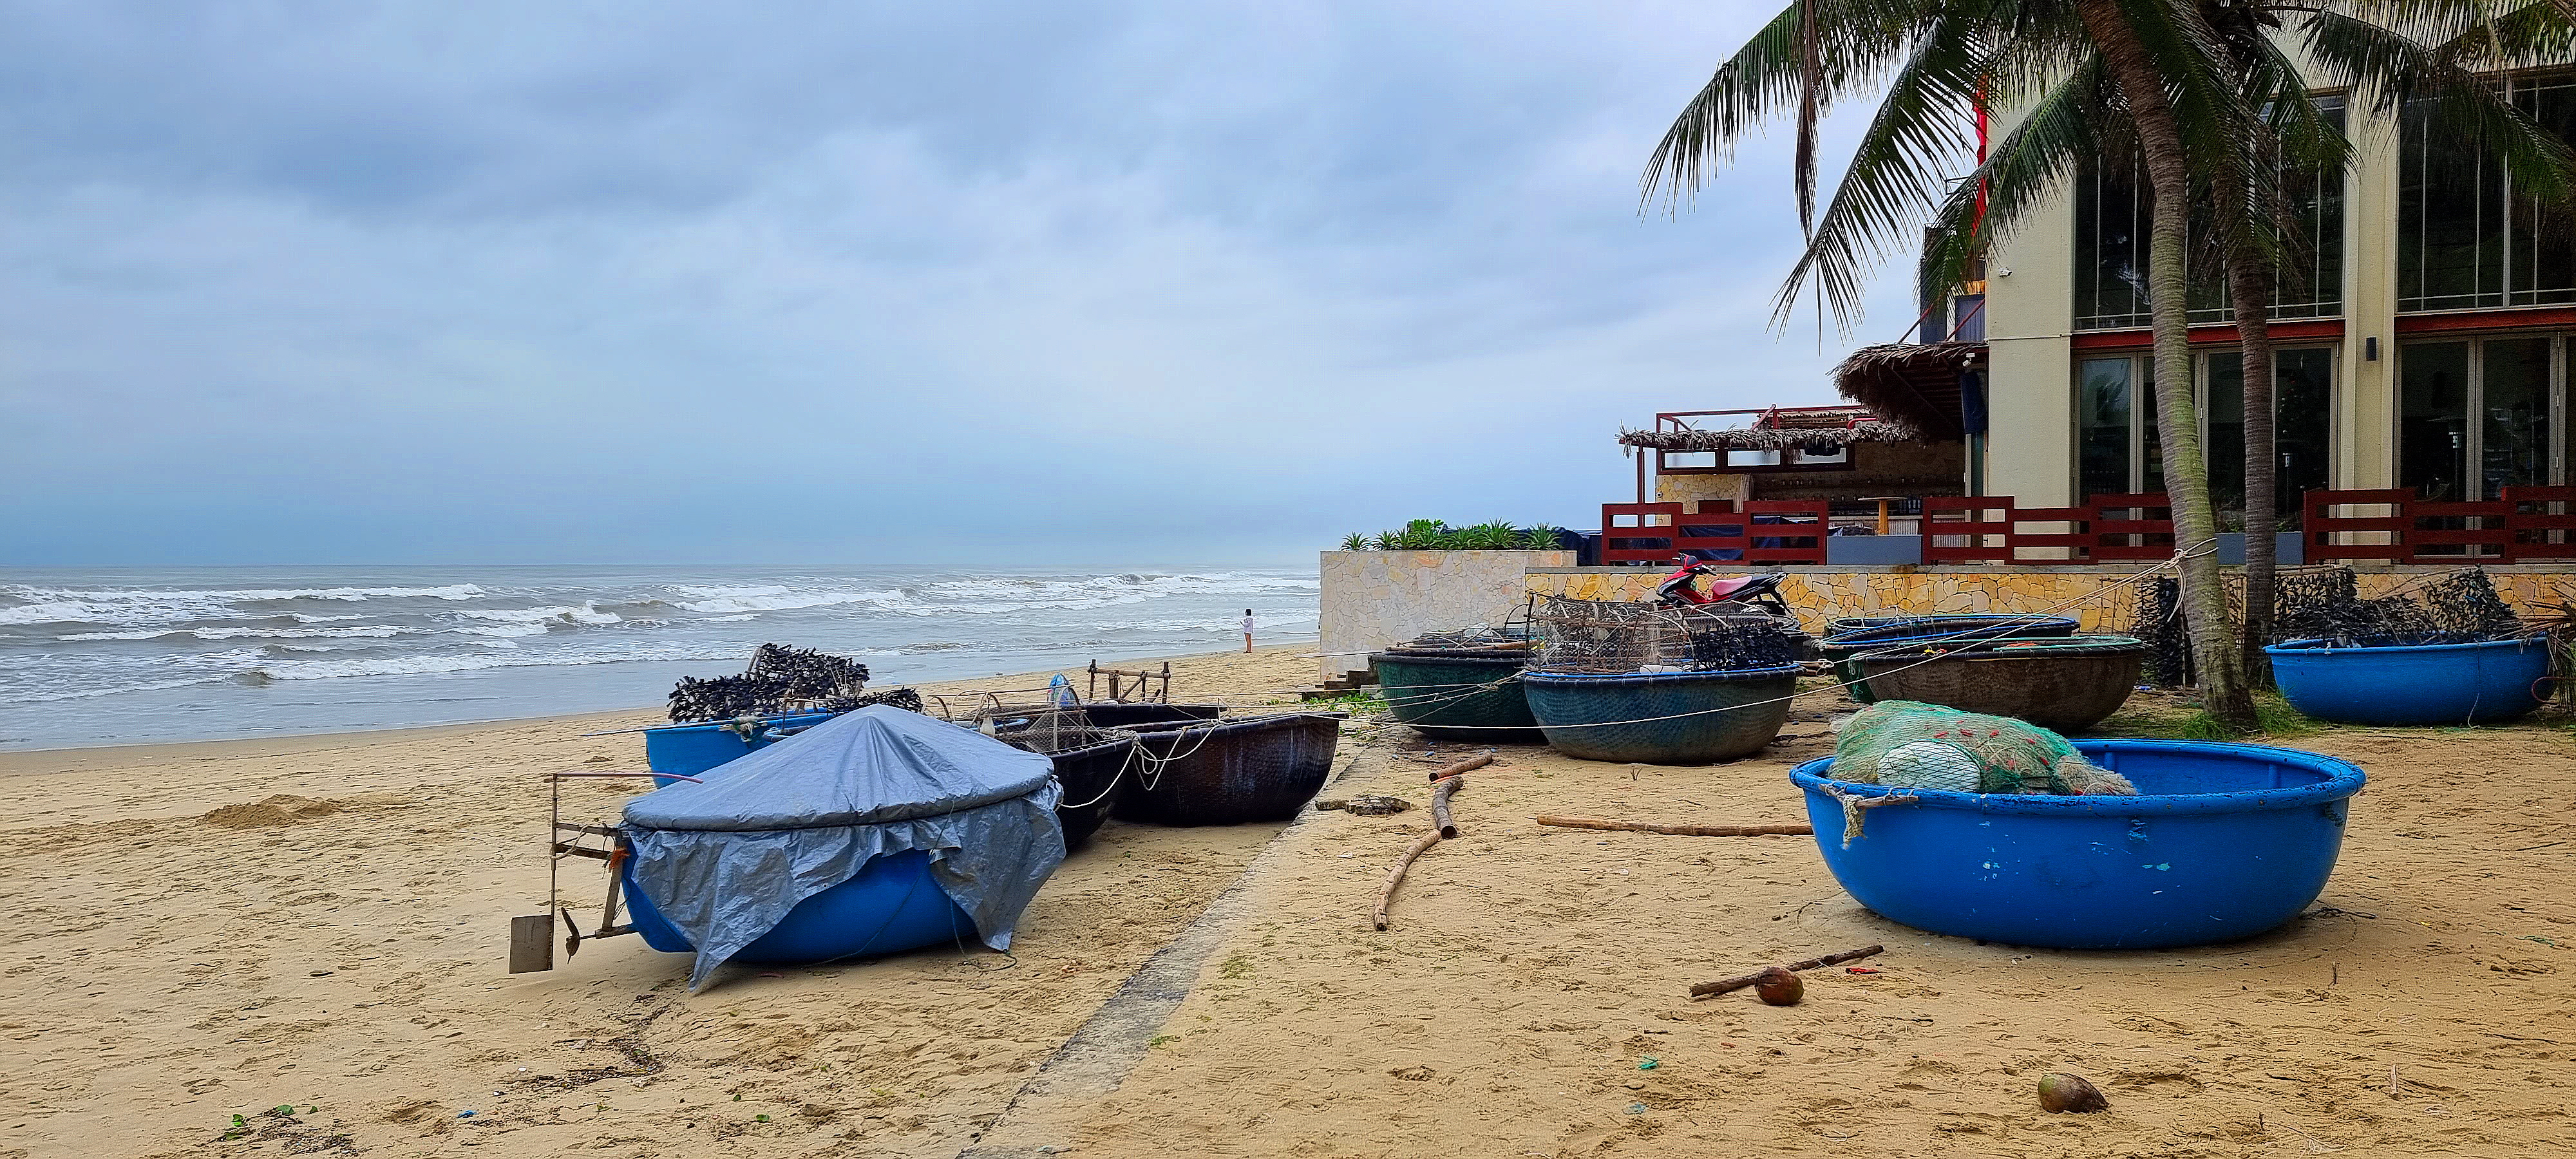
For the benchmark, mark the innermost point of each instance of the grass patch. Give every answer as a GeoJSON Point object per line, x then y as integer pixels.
{"type": "Point", "coordinates": [2274, 720]}
{"type": "Point", "coordinates": [1351, 702]}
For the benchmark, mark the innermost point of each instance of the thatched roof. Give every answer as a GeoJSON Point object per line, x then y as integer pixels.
{"type": "Point", "coordinates": [1865, 429]}
{"type": "Point", "coordinates": [1916, 384]}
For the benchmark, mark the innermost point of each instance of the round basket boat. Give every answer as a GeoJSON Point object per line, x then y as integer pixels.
{"type": "Point", "coordinates": [1445, 695]}
{"type": "Point", "coordinates": [1228, 772]}
{"type": "Point", "coordinates": [893, 905]}
{"type": "Point", "coordinates": [1854, 634]}
{"type": "Point", "coordinates": [2413, 684]}
{"type": "Point", "coordinates": [1122, 714]}
{"type": "Point", "coordinates": [2224, 841]}
{"type": "Point", "coordinates": [687, 750]}
{"type": "Point", "coordinates": [2067, 684]}
{"type": "Point", "coordinates": [1094, 766]}
{"type": "Point", "coordinates": [1682, 718]}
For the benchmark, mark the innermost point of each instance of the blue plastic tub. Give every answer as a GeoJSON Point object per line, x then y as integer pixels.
{"type": "Point", "coordinates": [893, 905]}
{"type": "Point", "coordinates": [2412, 684]}
{"type": "Point", "coordinates": [2224, 841]}
{"type": "Point", "coordinates": [686, 750]}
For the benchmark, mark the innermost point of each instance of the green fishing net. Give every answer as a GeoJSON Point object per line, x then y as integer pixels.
{"type": "Point", "coordinates": [1909, 744]}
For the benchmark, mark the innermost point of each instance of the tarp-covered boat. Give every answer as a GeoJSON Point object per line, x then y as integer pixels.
{"type": "Point", "coordinates": [834, 846]}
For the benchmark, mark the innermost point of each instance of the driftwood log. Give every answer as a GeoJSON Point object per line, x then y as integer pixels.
{"type": "Point", "coordinates": [1723, 985]}
{"type": "Point", "coordinates": [1478, 761]}
{"type": "Point", "coordinates": [1440, 818]}
{"type": "Point", "coordinates": [1439, 812]}
{"type": "Point", "coordinates": [1677, 830]}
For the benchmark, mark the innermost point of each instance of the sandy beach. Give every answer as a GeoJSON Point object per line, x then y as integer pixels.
{"type": "Point", "coordinates": [310, 933]}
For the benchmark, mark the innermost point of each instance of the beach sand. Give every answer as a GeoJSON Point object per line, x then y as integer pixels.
{"type": "Point", "coordinates": [232, 928]}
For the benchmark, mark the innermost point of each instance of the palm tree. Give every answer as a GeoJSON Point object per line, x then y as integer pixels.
{"type": "Point", "coordinates": [2208, 118]}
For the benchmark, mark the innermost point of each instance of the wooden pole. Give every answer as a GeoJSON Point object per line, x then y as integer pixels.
{"type": "Point", "coordinates": [1478, 761]}
{"type": "Point", "coordinates": [1443, 827]}
{"type": "Point", "coordinates": [1440, 818]}
{"type": "Point", "coordinates": [1722, 985]}
{"type": "Point", "coordinates": [1386, 893]}
{"type": "Point", "coordinates": [1677, 830]}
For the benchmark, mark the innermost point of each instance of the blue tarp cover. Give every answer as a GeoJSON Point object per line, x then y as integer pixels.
{"type": "Point", "coordinates": [726, 858]}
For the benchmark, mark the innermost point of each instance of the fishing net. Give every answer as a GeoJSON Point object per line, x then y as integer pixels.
{"type": "Point", "coordinates": [779, 679]}
{"type": "Point", "coordinates": [1908, 744]}
{"type": "Point", "coordinates": [1603, 636]}
{"type": "Point", "coordinates": [2325, 603]}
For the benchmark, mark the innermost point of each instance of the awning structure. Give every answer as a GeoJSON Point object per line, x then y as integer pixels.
{"type": "Point", "coordinates": [1915, 384]}
{"type": "Point", "coordinates": [1779, 431]}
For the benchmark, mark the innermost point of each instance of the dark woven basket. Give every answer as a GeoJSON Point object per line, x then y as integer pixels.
{"type": "Point", "coordinates": [1228, 772]}
{"type": "Point", "coordinates": [1684, 718]}
{"type": "Point", "coordinates": [1119, 714]}
{"type": "Point", "coordinates": [1090, 776]}
{"type": "Point", "coordinates": [1852, 635]}
{"type": "Point", "coordinates": [1441, 696]}
{"type": "Point", "coordinates": [2067, 684]}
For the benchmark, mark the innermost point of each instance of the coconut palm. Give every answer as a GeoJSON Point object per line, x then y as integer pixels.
{"type": "Point", "coordinates": [2205, 100]}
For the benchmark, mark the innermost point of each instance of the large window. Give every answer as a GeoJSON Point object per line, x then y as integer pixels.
{"type": "Point", "coordinates": [2479, 415]}
{"type": "Point", "coordinates": [2467, 238]}
{"type": "Point", "coordinates": [2118, 452]}
{"type": "Point", "coordinates": [2111, 212]}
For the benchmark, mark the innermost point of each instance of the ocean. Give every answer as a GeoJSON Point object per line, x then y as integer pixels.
{"type": "Point", "coordinates": [128, 655]}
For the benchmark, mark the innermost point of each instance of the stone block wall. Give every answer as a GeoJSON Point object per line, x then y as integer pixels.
{"type": "Point", "coordinates": [1375, 598]}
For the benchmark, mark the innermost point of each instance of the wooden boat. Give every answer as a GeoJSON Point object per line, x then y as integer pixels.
{"type": "Point", "coordinates": [1093, 765]}
{"type": "Point", "coordinates": [2068, 684]}
{"type": "Point", "coordinates": [1230, 771]}
{"type": "Point", "coordinates": [1672, 718]}
{"type": "Point", "coordinates": [1458, 694]}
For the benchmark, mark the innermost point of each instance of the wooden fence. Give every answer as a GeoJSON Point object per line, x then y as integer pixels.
{"type": "Point", "coordinates": [2527, 524]}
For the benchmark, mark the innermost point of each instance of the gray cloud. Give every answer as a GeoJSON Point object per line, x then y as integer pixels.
{"type": "Point", "coordinates": [293, 282]}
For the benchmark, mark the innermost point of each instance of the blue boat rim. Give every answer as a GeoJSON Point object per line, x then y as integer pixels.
{"type": "Point", "coordinates": [2324, 645]}
{"type": "Point", "coordinates": [2343, 778]}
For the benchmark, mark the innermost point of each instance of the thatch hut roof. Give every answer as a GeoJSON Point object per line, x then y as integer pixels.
{"type": "Point", "coordinates": [1916, 384]}
{"type": "Point", "coordinates": [1790, 432]}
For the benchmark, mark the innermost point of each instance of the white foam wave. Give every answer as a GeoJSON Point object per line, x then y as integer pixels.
{"type": "Point", "coordinates": [421, 665]}
{"type": "Point", "coordinates": [504, 631]}
{"type": "Point", "coordinates": [771, 598]}
{"type": "Point", "coordinates": [587, 613]}
{"type": "Point", "coordinates": [377, 630]}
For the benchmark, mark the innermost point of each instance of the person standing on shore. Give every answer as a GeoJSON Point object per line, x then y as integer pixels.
{"type": "Point", "coordinates": [1247, 629]}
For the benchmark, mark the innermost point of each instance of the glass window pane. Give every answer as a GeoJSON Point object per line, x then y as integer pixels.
{"type": "Point", "coordinates": [2102, 410]}
{"type": "Point", "coordinates": [2224, 451]}
{"type": "Point", "coordinates": [2302, 417]}
{"type": "Point", "coordinates": [2432, 422]}
{"type": "Point", "coordinates": [2150, 436]}
{"type": "Point", "coordinates": [2515, 406]}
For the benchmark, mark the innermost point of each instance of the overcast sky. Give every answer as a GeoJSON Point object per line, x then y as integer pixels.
{"type": "Point", "coordinates": [1099, 283]}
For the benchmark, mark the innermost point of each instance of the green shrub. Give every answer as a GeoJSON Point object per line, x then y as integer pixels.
{"type": "Point", "coordinates": [1433, 535]}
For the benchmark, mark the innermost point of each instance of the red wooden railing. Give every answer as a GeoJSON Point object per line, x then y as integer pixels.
{"type": "Point", "coordinates": [2526, 524]}
{"type": "Point", "coordinates": [1656, 532]}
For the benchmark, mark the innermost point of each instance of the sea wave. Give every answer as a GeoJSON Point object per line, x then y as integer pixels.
{"type": "Point", "coordinates": [451, 662]}
{"type": "Point", "coordinates": [239, 633]}
{"type": "Point", "coordinates": [772, 598]}
{"type": "Point", "coordinates": [587, 613]}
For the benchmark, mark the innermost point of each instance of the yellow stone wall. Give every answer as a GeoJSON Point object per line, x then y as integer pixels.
{"type": "Point", "coordinates": [2100, 601]}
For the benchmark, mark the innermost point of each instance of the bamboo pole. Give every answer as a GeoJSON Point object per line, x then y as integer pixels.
{"type": "Point", "coordinates": [1440, 818]}
{"type": "Point", "coordinates": [1478, 761]}
{"type": "Point", "coordinates": [1677, 830]}
{"type": "Point", "coordinates": [1723, 985]}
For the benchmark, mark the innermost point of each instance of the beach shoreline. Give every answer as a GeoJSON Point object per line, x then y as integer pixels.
{"type": "Point", "coordinates": [17, 761]}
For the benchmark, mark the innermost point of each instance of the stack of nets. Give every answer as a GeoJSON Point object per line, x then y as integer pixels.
{"type": "Point", "coordinates": [1908, 744]}
{"type": "Point", "coordinates": [2325, 603]}
{"type": "Point", "coordinates": [782, 679]}
{"type": "Point", "coordinates": [1600, 636]}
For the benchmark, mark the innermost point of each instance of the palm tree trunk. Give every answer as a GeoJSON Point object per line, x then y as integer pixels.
{"type": "Point", "coordinates": [2249, 283]}
{"type": "Point", "coordinates": [2204, 596]}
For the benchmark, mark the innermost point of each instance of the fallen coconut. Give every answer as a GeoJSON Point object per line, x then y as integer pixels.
{"type": "Point", "coordinates": [1779, 987]}
{"type": "Point", "coordinates": [2064, 1093]}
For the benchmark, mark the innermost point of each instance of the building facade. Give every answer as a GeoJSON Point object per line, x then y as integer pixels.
{"type": "Point", "coordinates": [2423, 336]}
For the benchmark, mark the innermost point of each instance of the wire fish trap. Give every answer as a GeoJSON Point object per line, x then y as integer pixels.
{"type": "Point", "coordinates": [1603, 637]}
{"type": "Point", "coordinates": [779, 680]}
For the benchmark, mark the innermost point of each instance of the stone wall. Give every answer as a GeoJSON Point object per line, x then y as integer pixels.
{"type": "Point", "coordinates": [1375, 598]}
{"type": "Point", "coordinates": [1822, 593]}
